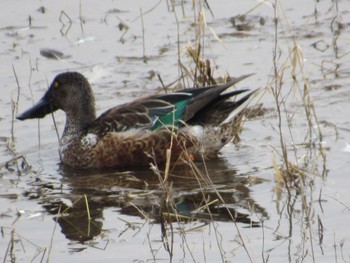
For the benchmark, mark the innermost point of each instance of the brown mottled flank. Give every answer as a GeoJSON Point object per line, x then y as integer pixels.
{"type": "Point", "coordinates": [123, 149]}
{"type": "Point", "coordinates": [134, 133]}
{"type": "Point", "coordinates": [126, 150]}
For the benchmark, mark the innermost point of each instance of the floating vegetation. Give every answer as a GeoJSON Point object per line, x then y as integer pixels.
{"type": "Point", "coordinates": [53, 54]}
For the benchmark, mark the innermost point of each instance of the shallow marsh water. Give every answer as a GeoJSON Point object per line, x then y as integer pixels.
{"type": "Point", "coordinates": [43, 215]}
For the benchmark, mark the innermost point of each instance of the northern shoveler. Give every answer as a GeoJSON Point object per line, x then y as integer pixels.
{"type": "Point", "coordinates": [192, 123]}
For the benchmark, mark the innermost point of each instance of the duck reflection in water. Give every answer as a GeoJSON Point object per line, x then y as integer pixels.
{"type": "Point", "coordinates": [141, 193]}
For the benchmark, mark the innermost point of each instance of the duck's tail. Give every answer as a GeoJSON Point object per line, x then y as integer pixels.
{"type": "Point", "coordinates": [222, 110]}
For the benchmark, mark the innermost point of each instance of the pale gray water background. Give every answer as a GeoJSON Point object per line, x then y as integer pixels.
{"type": "Point", "coordinates": [113, 61]}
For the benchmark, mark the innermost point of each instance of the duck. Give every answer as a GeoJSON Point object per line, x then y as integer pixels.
{"type": "Point", "coordinates": [191, 124]}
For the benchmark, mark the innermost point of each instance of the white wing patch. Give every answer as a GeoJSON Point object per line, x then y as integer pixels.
{"type": "Point", "coordinates": [196, 131]}
{"type": "Point", "coordinates": [90, 140]}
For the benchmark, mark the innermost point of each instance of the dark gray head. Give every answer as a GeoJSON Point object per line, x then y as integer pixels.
{"type": "Point", "coordinates": [69, 91]}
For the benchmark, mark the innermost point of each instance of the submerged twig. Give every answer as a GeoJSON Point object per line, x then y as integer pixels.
{"type": "Point", "coordinates": [53, 233]}
{"type": "Point", "coordinates": [64, 14]}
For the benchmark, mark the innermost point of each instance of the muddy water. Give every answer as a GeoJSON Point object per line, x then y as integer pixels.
{"type": "Point", "coordinates": [308, 222]}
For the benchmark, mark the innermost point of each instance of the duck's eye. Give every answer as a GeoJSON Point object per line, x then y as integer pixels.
{"type": "Point", "coordinates": [55, 84]}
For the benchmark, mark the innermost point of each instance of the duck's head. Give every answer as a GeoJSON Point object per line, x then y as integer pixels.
{"type": "Point", "coordinates": [70, 92]}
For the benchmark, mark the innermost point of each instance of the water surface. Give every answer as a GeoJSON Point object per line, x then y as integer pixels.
{"type": "Point", "coordinates": [122, 47]}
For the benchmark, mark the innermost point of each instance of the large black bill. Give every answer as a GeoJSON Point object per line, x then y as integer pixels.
{"type": "Point", "coordinates": [39, 110]}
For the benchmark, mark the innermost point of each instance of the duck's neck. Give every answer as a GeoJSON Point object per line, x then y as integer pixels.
{"type": "Point", "coordinates": [78, 120]}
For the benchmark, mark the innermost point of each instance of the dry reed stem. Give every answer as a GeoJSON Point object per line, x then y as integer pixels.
{"type": "Point", "coordinates": [143, 38]}
{"type": "Point", "coordinates": [87, 208]}
{"type": "Point", "coordinates": [81, 18]}
{"type": "Point", "coordinates": [290, 176]}
{"type": "Point", "coordinates": [203, 74]}
{"type": "Point", "coordinates": [11, 141]}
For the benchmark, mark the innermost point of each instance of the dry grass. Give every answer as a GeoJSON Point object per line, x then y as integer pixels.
{"type": "Point", "coordinates": [293, 168]}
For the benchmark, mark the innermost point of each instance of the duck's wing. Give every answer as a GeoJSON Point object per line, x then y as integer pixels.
{"type": "Point", "coordinates": [161, 110]}
{"type": "Point", "coordinates": [148, 113]}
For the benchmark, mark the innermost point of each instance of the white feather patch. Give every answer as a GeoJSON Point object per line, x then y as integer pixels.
{"type": "Point", "coordinates": [89, 140]}
{"type": "Point", "coordinates": [196, 131]}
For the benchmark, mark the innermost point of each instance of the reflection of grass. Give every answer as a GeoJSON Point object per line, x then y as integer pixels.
{"type": "Point", "coordinates": [18, 244]}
